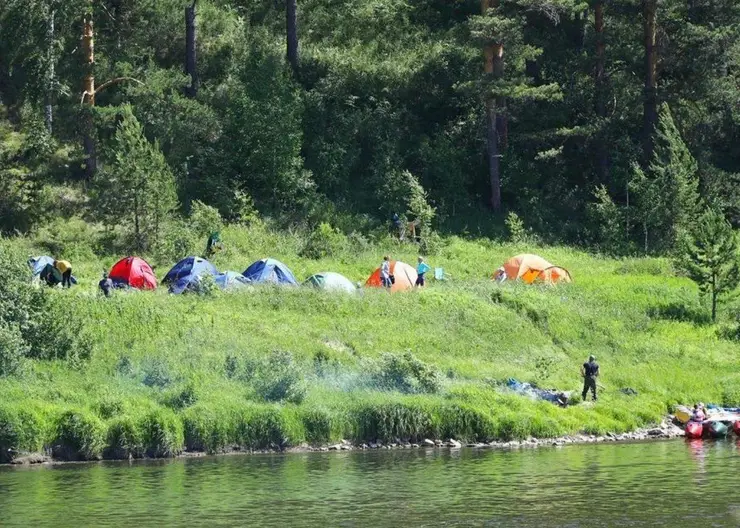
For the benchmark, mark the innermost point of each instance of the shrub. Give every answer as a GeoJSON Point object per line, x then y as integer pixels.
{"type": "Point", "coordinates": [80, 435]}
{"type": "Point", "coordinates": [515, 225]}
{"type": "Point", "coordinates": [261, 427]}
{"type": "Point", "coordinates": [21, 430]}
{"type": "Point", "coordinates": [406, 373]}
{"type": "Point", "coordinates": [464, 422]}
{"type": "Point", "coordinates": [279, 378]}
{"type": "Point", "coordinates": [317, 423]}
{"type": "Point", "coordinates": [204, 219]}
{"type": "Point", "coordinates": [157, 374]}
{"type": "Point", "coordinates": [12, 348]}
{"type": "Point", "coordinates": [324, 241]}
{"type": "Point", "coordinates": [125, 439]}
{"type": "Point", "coordinates": [163, 433]}
{"type": "Point", "coordinates": [208, 429]}
{"type": "Point", "coordinates": [390, 421]}
{"type": "Point", "coordinates": [32, 321]}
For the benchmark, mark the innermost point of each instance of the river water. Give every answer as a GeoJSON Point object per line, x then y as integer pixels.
{"type": "Point", "coordinates": [657, 484]}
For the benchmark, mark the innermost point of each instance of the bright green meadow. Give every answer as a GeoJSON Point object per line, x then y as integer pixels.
{"type": "Point", "coordinates": [271, 367]}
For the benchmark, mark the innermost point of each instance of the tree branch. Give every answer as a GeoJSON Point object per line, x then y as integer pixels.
{"type": "Point", "coordinates": [116, 81]}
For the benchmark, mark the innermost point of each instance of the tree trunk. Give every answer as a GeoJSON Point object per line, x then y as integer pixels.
{"type": "Point", "coordinates": [190, 52]}
{"type": "Point", "coordinates": [88, 96]}
{"type": "Point", "coordinates": [602, 153]}
{"type": "Point", "coordinates": [650, 112]}
{"type": "Point", "coordinates": [496, 126]}
{"type": "Point", "coordinates": [291, 25]}
{"type": "Point", "coordinates": [49, 92]}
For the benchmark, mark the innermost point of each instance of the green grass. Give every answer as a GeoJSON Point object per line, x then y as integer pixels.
{"type": "Point", "coordinates": [169, 373]}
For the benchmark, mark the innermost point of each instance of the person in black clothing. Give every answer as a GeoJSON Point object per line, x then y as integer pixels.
{"type": "Point", "coordinates": [590, 371]}
{"type": "Point", "coordinates": [105, 285]}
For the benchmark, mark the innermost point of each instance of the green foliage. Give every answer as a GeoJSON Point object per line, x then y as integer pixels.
{"type": "Point", "coordinates": [163, 433]}
{"type": "Point", "coordinates": [611, 221]}
{"type": "Point", "coordinates": [279, 378]}
{"type": "Point", "coordinates": [324, 241]}
{"type": "Point", "coordinates": [517, 232]}
{"type": "Point", "coordinates": [136, 192]}
{"type": "Point", "coordinates": [667, 192]}
{"type": "Point", "coordinates": [406, 373]}
{"type": "Point", "coordinates": [711, 258]}
{"type": "Point", "coordinates": [317, 423]}
{"type": "Point", "coordinates": [22, 430]}
{"type": "Point", "coordinates": [80, 435]}
{"type": "Point", "coordinates": [33, 322]}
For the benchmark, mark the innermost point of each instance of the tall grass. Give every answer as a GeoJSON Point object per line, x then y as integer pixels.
{"type": "Point", "coordinates": [275, 367]}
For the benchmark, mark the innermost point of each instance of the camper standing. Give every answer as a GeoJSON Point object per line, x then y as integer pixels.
{"type": "Point", "coordinates": [105, 285]}
{"type": "Point", "coordinates": [590, 371]}
{"type": "Point", "coordinates": [385, 273]}
{"type": "Point", "coordinates": [65, 268]}
{"type": "Point", "coordinates": [421, 268]}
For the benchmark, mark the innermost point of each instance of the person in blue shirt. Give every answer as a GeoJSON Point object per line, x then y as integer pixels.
{"type": "Point", "coordinates": [421, 268]}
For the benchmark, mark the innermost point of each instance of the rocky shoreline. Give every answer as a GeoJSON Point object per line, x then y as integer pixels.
{"type": "Point", "coordinates": [666, 430]}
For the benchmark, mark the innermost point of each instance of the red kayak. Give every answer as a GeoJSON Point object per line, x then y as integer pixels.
{"type": "Point", "coordinates": [736, 427]}
{"type": "Point", "coordinates": [694, 429]}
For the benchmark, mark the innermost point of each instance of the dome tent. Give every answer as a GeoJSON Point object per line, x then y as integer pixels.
{"type": "Point", "coordinates": [231, 280]}
{"type": "Point", "coordinates": [271, 271]}
{"type": "Point", "coordinates": [328, 280]}
{"type": "Point", "coordinates": [528, 268]}
{"type": "Point", "coordinates": [186, 272]}
{"type": "Point", "coordinates": [404, 274]}
{"type": "Point", "coordinates": [134, 272]}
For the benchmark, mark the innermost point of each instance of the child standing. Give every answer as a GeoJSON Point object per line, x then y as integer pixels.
{"type": "Point", "coordinates": [421, 269]}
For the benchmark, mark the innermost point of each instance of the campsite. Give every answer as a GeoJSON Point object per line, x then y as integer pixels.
{"type": "Point", "coordinates": [274, 367]}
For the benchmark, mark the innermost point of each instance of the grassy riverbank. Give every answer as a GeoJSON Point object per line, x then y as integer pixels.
{"type": "Point", "coordinates": [271, 367]}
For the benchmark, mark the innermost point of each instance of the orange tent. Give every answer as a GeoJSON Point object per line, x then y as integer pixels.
{"type": "Point", "coordinates": [404, 274]}
{"type": "Point", "coordinates": [529, 268]}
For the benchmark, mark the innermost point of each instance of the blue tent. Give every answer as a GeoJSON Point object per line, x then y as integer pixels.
{"type": "Point", "coordinates": [43, 268]}
{"type": "Point", "coordinates": [37, 264]}
{"type": "Point", "coordinates": [231, 280]}
{"type": "Point", "coordinates": [270, 270]}
{"type": "Point", "coordinates": [184, 273]}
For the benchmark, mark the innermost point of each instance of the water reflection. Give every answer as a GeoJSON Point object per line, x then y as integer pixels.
{"type": "Point", "coordinates": [651, 484]}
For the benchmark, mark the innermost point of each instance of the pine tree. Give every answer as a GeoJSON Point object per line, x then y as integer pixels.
{"type": "Point", "coordinates": [136, 191]}
{"type": "Point", "coordinates": [710, 257]}
{"type": "Point", "coordinates": [667, 192]}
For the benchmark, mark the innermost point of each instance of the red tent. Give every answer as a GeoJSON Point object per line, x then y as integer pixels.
{"type": "Point", "coordinates": [134, 272]}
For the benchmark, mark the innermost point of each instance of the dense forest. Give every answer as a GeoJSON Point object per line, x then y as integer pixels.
{"type": "Point", "coordinates": [604, 123]}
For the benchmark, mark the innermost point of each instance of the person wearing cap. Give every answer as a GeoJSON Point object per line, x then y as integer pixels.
{"type": "Point", "coordinates": [590, 371]}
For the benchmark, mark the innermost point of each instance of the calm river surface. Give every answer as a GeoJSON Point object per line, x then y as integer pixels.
{"type": "Point", "coordinates": [651, 484]}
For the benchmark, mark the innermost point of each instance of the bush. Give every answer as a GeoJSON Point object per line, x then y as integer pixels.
{"type": "Point", "coordinates": [157, 374]}
{"type": "Point", "coordinates": [464, 422]}
{"type": "Point", "coordinates": [204, 220]}
{"type": "Point", "coordinates": [32, 321]}
{"type": "Point", "coordinates": [324, 241]}
{"type": "Point", "coordinates": [80, 435]}
{"type": "Point", "coordinates": [261, 427]}
{"type": "Point", "coordinates": [163, 433]}
{"type": "Point", "coordinates": [125, 439]}
{"type": "Point", "coordinates": [390, 421]}
{"type": "Point", "coordinates": [208, 429]}
{"type": "Point", "coordinates": [12, 349]}
{"type": "Point", "coordinates": [317, 423]}
{"type": "Point", "coordinates": [279, 379]}
{"type": "Point", "coordinates": [406, 373]}
{"type": "Point", "coordinates": [21, 430]}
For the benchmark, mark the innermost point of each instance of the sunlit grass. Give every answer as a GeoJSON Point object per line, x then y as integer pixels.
{"type": "Point", "coordinates": [172, 372]}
